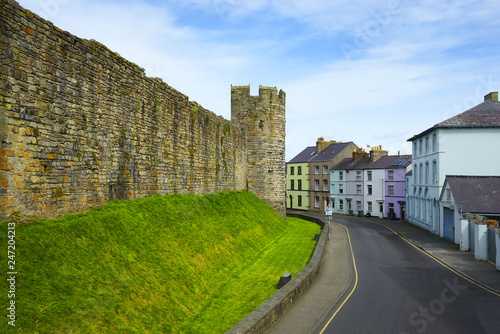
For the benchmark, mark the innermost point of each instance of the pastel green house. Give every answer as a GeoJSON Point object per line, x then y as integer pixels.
{"type": "Point", "coordinates": [297, 180]}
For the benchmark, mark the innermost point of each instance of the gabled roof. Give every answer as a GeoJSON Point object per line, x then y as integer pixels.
{"type": "Point", "coordinates": [304, 156]}
{"type": "Point", "coordinates": [476, 194]}
{"type": "Point", "coordinates": [385, 162]}
{"type": "Point", "coordinates": [484, 115]}
{"type": "Point", "coordinates": [329, 152]}
{"type": "Point", "coordinates": [309, 154]}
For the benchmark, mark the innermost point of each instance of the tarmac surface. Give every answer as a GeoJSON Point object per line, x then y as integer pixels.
{"type": "Point", "coordinates": [336, 274]}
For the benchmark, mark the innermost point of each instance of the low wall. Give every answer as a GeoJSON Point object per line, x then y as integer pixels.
{"type": "Point", "coordinates": [272, 309]}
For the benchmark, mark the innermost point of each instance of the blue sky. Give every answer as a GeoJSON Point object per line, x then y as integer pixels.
{"type": "Point", "coordinates": [371, 72]}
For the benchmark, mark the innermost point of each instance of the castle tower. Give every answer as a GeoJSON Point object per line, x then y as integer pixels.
{"type": "Point", "coordinates": [262, 117]}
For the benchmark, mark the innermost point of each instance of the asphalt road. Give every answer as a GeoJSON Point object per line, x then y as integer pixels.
{"type": "Point", "coordinates": [400, 289]}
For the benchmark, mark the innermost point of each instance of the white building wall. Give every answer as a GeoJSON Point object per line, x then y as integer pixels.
{"type": "Point", "coordinates": [456, 152]}
{"type": "Point", "coordinates": [469, 152]}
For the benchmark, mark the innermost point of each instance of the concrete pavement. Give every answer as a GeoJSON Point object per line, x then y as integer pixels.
{"type": "Point", "coordinates": [336, 276]}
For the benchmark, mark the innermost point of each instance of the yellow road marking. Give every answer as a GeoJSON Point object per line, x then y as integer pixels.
{"type": "Point", "coordinates": [413, 245]}
{"type": "Point", "coordinates": [437, 260]}
{"type": "Point", "coordinates": [355, 282]}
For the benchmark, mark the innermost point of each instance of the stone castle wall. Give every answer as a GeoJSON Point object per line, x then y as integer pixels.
{"type": "Point", "coordinates": [80, 125]}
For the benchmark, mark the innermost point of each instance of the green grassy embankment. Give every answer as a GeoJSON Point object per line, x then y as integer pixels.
{"type": "Point", "coordinates": [173, 264]}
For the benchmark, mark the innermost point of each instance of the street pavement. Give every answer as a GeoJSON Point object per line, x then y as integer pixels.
{"type": "Point", "coordinates": [336, 278]}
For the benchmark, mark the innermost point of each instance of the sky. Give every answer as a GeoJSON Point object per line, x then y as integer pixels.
{"type": "Point", "coordinates": [371, 72]}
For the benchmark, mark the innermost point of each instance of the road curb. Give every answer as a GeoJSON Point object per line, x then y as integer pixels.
{"type": "Point", "coordinates": [342, 295]}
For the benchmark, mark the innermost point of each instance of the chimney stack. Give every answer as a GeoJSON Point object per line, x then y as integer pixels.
{"type": "Point", "coordinates": [491, 96]}
{"type": "Point", "coordinates": [321, 144]}
{"type": "Point", "coordinates": [377, 152]}
{"type": "Point", "coordinates": [358, 154]}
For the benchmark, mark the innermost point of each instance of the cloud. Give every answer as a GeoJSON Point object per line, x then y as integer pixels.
{"type": "Point", "coordinates": [370, 72]}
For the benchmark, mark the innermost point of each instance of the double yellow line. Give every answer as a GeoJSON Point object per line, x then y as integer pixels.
{"type": "Point", "coordinates": [496, 293]}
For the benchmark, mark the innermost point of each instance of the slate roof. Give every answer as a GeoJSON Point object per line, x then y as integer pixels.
{"type": "Point", "coordinates": [386, 162]}
{"type": "Point", "coordinates": [304, 156]}
{"type": "Point", "coordinates": [476, 194]}
{"type": "Point", "coordinates": [309, 153]}
{"type": "Point", "coordinates": [329, 152]}
{"type": "Point", "coordinates": [484, 115]}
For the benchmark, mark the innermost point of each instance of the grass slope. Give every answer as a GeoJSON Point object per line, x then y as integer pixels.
{"type": "Point", "coordinates": [173, 264]}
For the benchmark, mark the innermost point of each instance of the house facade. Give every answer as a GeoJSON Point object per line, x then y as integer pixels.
{"type": "Point", "coordinates": [297, 180]}
{"type": "Point", "coordinates": [328, 154]}
{"type": "Point", "coordinates": [338, 189]}
{"type": "Point", "coordinates": [456, 146]}
{"type": "Point", "coordinates": [374, 184]}
{"type": "Point", "coordinates": [308, 174]}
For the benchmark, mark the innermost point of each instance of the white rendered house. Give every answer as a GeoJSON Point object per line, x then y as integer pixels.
{"type": "Point", "coordinates": [462, 145]}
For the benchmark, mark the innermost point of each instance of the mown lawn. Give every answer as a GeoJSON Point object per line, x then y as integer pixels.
{"type": "Point", "coordinates": [172, 264]}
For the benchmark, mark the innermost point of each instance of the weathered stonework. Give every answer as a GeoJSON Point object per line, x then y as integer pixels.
{"type": "Point", "coordinates": [80, 125]}
{"type": "Point", "coordinates": [263, 119]}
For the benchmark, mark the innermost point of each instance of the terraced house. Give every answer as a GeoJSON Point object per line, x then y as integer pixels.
{"type": "Point", "coordinates": [314, 164]}
{"type": "Point", "coordinates": [370, 184]}
{"type": "Point", "coordinates": [461, 145]}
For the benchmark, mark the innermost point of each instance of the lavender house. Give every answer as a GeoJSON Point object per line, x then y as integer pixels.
{"type": "Point", "coordinates": [395, 185]}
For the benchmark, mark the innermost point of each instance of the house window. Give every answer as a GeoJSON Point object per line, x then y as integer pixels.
{"type": "Point", "coordinates": [292, 170]}
{"type": "Point", "coordinates": [358, 175]}
{"type": "Point", "coordinates": [415, 148]}
{"type": "Point", "coordinates": [426, 145]}
{"type": "Point", "coordinates": [369, 189]}
{"type": "Point", "coordinates": [325, 169]}
{"type": "Point", "coordinates": [341, 204]}
{"type": "Point", "coordinates": [448, 194]}
{"type": "Point", "coordinates": [341, 188]}
{"type": "Point", "coordinates": [391, 175]}
{"type": "Point", "coordinates": [391, 207]}
{"type": "Point", "coordinates": [325, 185]}
{"type": "Point", "coordinates": [420, 148]}
{"type": "Point", "coordinates": [299, 184]}
{"type": "Point", "coordinates": [434, 143]}
{"type": "Point", "coordinates": [316, 185]}
{"type": "Point", "coordinates": [434, 172]}
{"type": "Point", "coordinates": [370, 206]}
{"type": "Point", "coordinates": [316, 170]}
{"type": "Point", "coordinates": [427, 173]}
{"type": "Point", "coordinates": [292, 184]}
{"type": "Point", "coordinates": [299, 200]}
{"type": "Point", "coordinates": [332, 188]}
{"type": "Point", "coordinates": [358, 205]}
{"type": "Point", "coordinates": [299, 170]}
{"type": "Point", "coordinates": [391, 190]}
{"type": "Point", "coordinates": [421, 174]}
{"type": "Point", "coordinates": [341, 176]}
{"type": "Point", "coordinates": [415, 170]}
{"type": "Point", "coordinates": [358, 189]}
{"type": "Point", "coordinates": [369, 175]}
{"type": "Point", "coordinates": [316, 202]}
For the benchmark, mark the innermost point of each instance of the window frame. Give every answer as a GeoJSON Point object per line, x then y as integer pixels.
{"type": "Point", "coordinates": [390, 190]}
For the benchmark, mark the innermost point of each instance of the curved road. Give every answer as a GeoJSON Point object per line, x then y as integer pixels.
{"type": "Point", "coordinates": [400, 289]}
